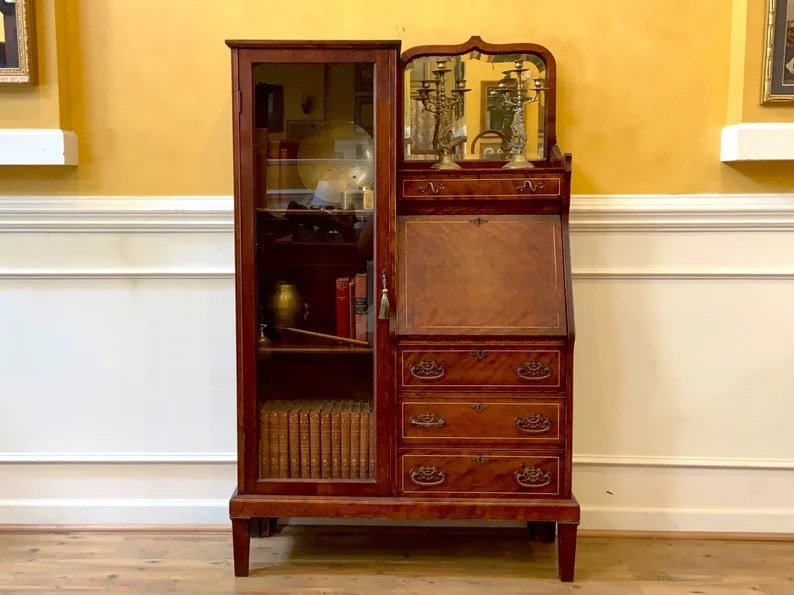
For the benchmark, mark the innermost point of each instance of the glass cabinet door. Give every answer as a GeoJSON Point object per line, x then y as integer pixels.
{"type": "Point", "coordinates": [316, 192]}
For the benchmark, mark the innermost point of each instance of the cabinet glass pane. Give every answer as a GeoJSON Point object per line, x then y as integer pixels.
{"type": "Point", "coordinates": [314, 192]}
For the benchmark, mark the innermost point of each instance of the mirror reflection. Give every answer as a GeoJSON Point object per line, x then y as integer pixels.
{"type": "Point", "coordinates": [9, 38]}
{"type": "Point", "coordinates": [475, 106]}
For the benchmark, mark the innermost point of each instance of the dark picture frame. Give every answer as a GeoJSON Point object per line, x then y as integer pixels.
{"type": "Point", "coordinates": [364, 114]}
{"type": "Point", "coordinates": [269, 106]}
{"type": "Point", "coordinates": [363, 78]}
{"type": "Point", "coordinates": [778, 66]}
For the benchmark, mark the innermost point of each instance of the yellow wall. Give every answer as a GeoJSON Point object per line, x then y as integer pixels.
{"type": "Point", "coordinates": [643, 93]}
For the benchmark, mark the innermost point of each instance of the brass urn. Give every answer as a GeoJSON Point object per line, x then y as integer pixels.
{"type": "Point", "coordinates": [285, 305]}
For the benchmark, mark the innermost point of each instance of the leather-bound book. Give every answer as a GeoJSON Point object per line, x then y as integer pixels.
{"type": "Point", "coordinates": [314, 441]}
{"type": "Point", "coordinates": [325, 441]}
{"type": "Point", "coordinates": [355, 440]}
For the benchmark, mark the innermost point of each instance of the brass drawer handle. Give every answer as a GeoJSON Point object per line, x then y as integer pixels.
{"type": "Point", "coordinates": [427, 476]}
{"type": "Point", "coordinates": [427, 369]}
{"type": "Point", "coordinates": [533, 477]}
{"type": "Point", "coordinates": [431, 187]}
{"type": "Point", "coordinates": [529, 185]}
{"type": "Point", "coordinates": [480, 354]}
{"type": "Point", "coordinates": [427, 420]}
{"type": "Point", "coordinates": [534, 423]}
{"type": "Point", "coordinates": [534, 370]}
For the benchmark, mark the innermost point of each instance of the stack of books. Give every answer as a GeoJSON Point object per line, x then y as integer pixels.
{"type": "Point", "coordinates": [317, 440]}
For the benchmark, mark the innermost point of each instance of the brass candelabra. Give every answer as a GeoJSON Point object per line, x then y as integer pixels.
{"type": "Point", "coordinates": [435, 99]}
{"type": "Point", "coordinates": [512, 95]}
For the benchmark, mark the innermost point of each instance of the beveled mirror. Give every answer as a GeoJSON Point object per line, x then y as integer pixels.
{"type": "Point", "coordinates": [17, 42]}
{"type": "Point", "coordinates": [478, 102]}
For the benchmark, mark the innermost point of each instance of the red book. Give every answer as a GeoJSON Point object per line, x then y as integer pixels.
{"type": "Point", "coordinates": [343, 307]}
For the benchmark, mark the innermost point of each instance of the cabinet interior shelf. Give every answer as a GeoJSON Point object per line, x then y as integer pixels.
{"type": "Point", "coordinates": [327, 347]}
{"type": "Point", "coordinates": [316, 212]}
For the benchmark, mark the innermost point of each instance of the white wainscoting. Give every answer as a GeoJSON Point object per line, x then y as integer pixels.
{"type": "Point", "coordinates": [117, 372]}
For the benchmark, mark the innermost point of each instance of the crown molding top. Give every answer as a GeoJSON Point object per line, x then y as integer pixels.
{"type": "Point", "coordinates": [589, 213]}
{"type": "Point", "coordinates": [754, 141]}
{"type": "Point", "coordinates": [37, 146]}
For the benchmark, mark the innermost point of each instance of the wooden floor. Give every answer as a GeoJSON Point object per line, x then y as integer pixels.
{"type": "Point", "coordinates": [327, 560]}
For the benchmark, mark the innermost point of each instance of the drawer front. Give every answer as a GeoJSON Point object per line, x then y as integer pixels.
{"type": "Point", "coordinates": [490, 368]}
{"type": "Point", "coordinates": [494, 475]}
{"type": "Point", "coordinates": [443, 187]}
{"type": "Point", "coordinates": [531, 422]}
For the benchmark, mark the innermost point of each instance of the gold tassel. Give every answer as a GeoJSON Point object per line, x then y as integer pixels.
{"type": "Point", "coordinates": [384, 305]}
{"type": "Point", "coordinates": [384, 298]}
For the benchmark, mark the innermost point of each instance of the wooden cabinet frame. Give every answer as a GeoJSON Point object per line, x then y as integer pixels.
{"type": "Point", "coordinates": [534, 368]}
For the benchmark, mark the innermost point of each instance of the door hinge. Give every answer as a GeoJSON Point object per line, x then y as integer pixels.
{"type": "Point", "coordinates": [239, 101]}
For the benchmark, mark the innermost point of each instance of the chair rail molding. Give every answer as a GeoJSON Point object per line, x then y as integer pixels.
{"type": "Point", "coordinates": [213, 213]}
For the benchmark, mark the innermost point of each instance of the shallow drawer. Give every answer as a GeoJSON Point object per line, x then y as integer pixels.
{"type": "Point", "coordinates": [495, 475]}
{"type": "Point", "coordinates": [445, 421]}
{"type": "Point", "coordinates": [443, 187]}
{"type": "Point", "coordinates": [491, 368]}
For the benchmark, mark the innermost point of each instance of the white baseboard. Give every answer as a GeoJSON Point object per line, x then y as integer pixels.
{"type": "Point", "coordinates": [710, 520]}
{"type": "Point", "coordinates": [114, 511]}
{"type": "Point", "coordinates": [209, 458]}
{"type": "Point", "coordinates": [165, 512]}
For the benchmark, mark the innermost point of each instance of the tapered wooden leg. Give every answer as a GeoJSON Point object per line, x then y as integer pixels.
{"type": "Point", "coordinates": [566, 550]}
{"type": "Point", "coordinates": [241, 544]}
{"type": "Point", "coordinates": [542, 531]}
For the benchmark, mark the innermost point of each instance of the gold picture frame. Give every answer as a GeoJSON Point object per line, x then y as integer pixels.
{"type": "Point", "coordinates": [778, 66]}
{"type": "Point", "coordinates": [18, 44]}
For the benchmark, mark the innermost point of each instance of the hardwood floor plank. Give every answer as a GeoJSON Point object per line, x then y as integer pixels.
{"type": "Point", "coordinates": [303, 560]}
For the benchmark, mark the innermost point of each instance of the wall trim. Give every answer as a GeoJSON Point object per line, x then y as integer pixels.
{"type": "Point", "coordinates": [589, 213]}
{"type": "Point", "coordinates": [682, 212]}
{"type": "Point", "coordinates": [113, 273]}
{"type": "Point", "coordinates": [215, 511]}
{"type": "Point", "coordinates": [37, 146]}
{"type": "Point", "coordinates": [116, 214]}
{"type": "Point", "coordinates": [683, 462]}
{"type": "Point", "coordinates": [231, 458]}
{"type": "Point", "coordinates": [11, 274]}
{"type": "Point", "coordinates": [702, 274]}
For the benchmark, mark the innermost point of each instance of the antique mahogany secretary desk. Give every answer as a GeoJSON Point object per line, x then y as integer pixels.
{"type": "Point", "coordinates": [405, 330]}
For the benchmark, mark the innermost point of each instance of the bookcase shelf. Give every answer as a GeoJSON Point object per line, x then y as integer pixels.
{"type": "Point", "coordinates": [275, 347]}
{"type": "Point", "coordinates": [320, 212]}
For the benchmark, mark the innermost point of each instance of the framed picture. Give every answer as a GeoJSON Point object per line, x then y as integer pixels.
{"type": "Point", "coordinates": [492, 116]}
{"type": "Point", "coordinates": [778, 83]}
{"type": "Point", "coordinates": [17, 42]}
{"type": "Point", "coordinates": [298, 129]}
{"type": "Point", "coordinates": [363, 80]}
{"type": "Point", "coordinates": [364, 113]}
{"type": "Point", "coordinates": [491, 150]}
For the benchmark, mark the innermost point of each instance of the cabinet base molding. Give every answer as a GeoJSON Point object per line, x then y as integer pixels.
{"type": "Point", "coordinates": [251, 513]}
{"type": "Point", "coordinates": [494, 509]}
